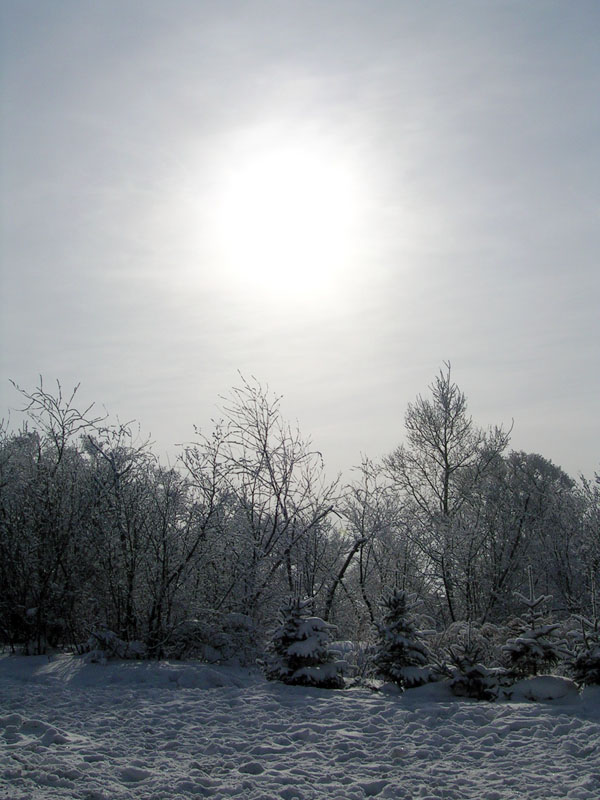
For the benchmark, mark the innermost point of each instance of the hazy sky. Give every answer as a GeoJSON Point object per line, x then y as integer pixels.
{"type": "Point", "coordinates": [333, 196]}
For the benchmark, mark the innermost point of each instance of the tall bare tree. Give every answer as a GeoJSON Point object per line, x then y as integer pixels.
{"type": "Point", "coordinates": [275, 486]}
{"type": "Point", "coordinates": [444, 459]}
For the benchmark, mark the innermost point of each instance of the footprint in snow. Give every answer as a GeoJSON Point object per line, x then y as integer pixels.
{"type": "Point", "coordinates": [252, 768]}
{"type": "Point", "coordinates": [133, 774]}
{"type": "Point", "coordinates": [18, 730]}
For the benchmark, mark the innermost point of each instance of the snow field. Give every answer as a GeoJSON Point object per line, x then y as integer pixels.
{"type": "Point", "coordinates": [162, 731]}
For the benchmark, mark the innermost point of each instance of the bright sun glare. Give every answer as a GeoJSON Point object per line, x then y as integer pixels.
{"type": "Point", "coordinates": [285, 221]}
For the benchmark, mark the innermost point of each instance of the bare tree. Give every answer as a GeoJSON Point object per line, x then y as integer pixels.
{"type": "Point", "coordinates": [44, 507]}
{"type": "Point", "coordinates": [274, 484]}
{"type": "Point", "coordinates": [123, 471]}
{"type": "Point", "coordinates": [377, 550]}
{"type": "Point", "coordinates": [444, 459]}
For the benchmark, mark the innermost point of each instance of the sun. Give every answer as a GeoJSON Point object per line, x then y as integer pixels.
{"type": "Point", "coordinates": [285, 219]}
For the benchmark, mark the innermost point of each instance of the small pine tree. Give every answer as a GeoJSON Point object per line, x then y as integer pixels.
{"type": "Point", "coordinates": [298, 653]}
{"type": "Point", "coordinates": [399, 655]}
{"type": "Point", "coordinates": [586, 664]}
{"type": "Point", "coordinates": [536, 648]}
{"type": "Point", "coordinates": [470, 678]}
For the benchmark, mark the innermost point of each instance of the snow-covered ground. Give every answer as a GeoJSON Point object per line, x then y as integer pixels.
{"type": "Point", "coordinates": [184, 730]}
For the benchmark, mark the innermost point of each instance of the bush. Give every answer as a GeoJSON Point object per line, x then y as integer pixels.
{"type": "Point", "coordinates": [217, 638]}
{"type": "Point", "coordinates": [104, 645]}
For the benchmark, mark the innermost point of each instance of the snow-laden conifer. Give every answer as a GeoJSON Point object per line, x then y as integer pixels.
{"type": "Point", "coordinates": [470, 678]}
{"type": "Point", "coordinates": [400, 655]}
{"type": "Point", "coordinates": [537, 647]}
{"type": "Point", "coordinates": [298, 652]}
{"type": "Point", "coordinates": [586, 662]}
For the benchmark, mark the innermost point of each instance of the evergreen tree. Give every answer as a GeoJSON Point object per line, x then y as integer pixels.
{"type": "Point", "coordinates": [586, 664]}
{"type": "Point", "coordinates": [400, 656]}
{"type": "Point", "coordinates": [470, 678]}
{"type": "Point", "coordinates": [536, 648]}
{"type": "Point", "coordinates": [298, 652]}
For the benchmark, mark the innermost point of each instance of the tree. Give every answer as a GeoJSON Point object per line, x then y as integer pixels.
{"type": "Point", "coordinates": [589, 550]}
{"type": "Point", "coordinates": [444, 460]}
{"type": "Point", "coordinates": [523, 508]}
{"type": "Point", "coordinates": [44, 505]}
{"type": "Point", "coordinates": [149, 529]}
{"type": "Point", "coordinates": [536, 647]}
{"type": "Point", "coordinates": [586, 663]}
{"type": "Point", "coordinates": [400, 655]}
{"type": "Point", "coordinates": [470, 677]}
{"type": "Point", "coordinates": [119, 534]}
{"type": "Point", "coordinates": [298, 652]}
{"type": "Point", "coordinates": [276, 493]}
{"type": "Point", "coordinates": [378, 551]}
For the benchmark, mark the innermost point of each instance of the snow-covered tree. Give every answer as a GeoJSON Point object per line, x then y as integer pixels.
{"type": "Point", "coordinates": [437, 472]}
{"type": "Point", "coordinates": [44, 507]}
{"type": "Point", "coordinates": [383, 553]}
{"type": "Point", "coordinates": [279, 502]}
{"type": "Point", "coordinates": [586, 663]}
{"type": "Point", "coordinates": [298, 652]}
{"type": "Point", "coordinates": [400, 655]}
{"type": "Point", "coordinates": [537, 647]}
{"type": "Point", "coordinates": [470, 678]}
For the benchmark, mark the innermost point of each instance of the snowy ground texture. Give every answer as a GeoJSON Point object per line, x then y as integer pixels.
{"type": "Point", "coordinates": [175, 730]}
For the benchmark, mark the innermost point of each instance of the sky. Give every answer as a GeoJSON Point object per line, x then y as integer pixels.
{"type": "Point", "coordinates": [332, 196]}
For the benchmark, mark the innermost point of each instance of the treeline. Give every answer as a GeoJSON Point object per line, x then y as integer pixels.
{"type": "Point", "coordinates": [97, 535]}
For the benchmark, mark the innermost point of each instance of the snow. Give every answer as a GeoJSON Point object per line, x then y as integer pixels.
{"type": "Point", "coordinates": [169, 731]}
{"type": "Point", "coordinates": [544, 687]}
{"type": "Point", "coordinates": [304, 647]}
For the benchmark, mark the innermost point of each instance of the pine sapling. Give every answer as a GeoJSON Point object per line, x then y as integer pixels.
{"type": "Point", "coordinates": [536, 648]}
{"type": "Point", "coordinates": [298, 652]}
{"type": "Point", "coordinates": [400, 655]}
{"type": "Point", "coordinates": [586, 664]}
{"type": "Point", "coordinates": [470, 678]}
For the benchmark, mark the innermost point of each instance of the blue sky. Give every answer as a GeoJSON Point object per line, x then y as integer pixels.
{"type": "Point", "coordinates": [465, 137]}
